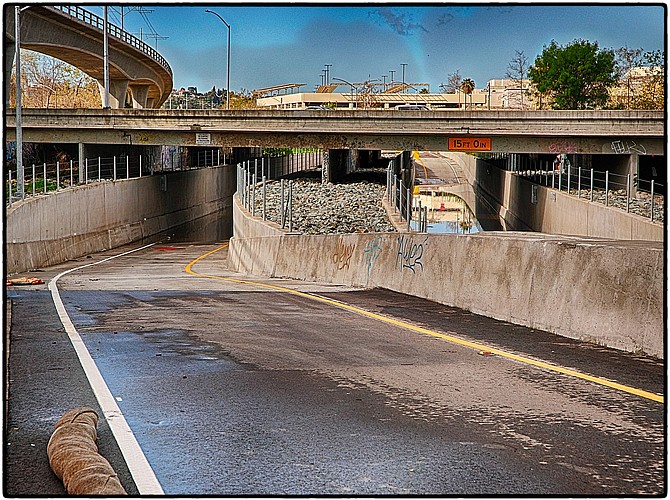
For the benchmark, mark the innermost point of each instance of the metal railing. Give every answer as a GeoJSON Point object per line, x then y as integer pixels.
{"type": "Point", "coordinates": [253, 175]}
{"type": "Point", "coordinates": [174, 158]}
{"type": "Point", "coordinates": [248, 181]}
{"type": "Point", "coordinates": [47, 178]}
{"type": "Point", "coordinates": [87, 17]}
{"type": "Point", "coordinates": [625, 192]}
{"type": "Point", "coordinates": [280, 166]}
{"type": "Point", "coordinates": [399, 195]}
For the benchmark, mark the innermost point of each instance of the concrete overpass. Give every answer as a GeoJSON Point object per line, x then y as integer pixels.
{"type": "Point", "coordinates": [139, 76]}
{"type": "Point", "coordinates": [548, 132]}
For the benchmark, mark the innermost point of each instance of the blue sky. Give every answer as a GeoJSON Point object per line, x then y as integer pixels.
{"type": "Point", "coordinates": [273, 44]}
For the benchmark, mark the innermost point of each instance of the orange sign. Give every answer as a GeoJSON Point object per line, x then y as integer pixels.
{"type": "Point", "coordinates": [469, 144]}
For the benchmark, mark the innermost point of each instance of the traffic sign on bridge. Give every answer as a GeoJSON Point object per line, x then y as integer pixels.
{"type": "Point", "coordinates": [469, 144]}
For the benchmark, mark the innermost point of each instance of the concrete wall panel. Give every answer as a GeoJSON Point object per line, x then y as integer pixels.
{"type": "Point", "coordinates": [48, 230]}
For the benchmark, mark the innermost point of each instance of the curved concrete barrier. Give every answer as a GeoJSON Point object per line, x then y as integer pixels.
{"type": "Point", "coordinates": [609, 292]}
{"type": "Point", "coordinates": [74, 458]}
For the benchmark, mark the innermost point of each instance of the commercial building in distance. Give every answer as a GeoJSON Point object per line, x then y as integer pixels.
{"type": "Point", "coordinates": [498, 94]}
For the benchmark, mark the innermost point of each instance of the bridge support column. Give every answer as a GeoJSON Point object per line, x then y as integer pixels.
{"type": "Point", "coordinates": [82, 161]}
{"type": "Point", "coordinates": [634, 171]}
{"type": "Point", "coordinates": [336, 164]}
{"type": "Point", "coordinates": [117, 93]}
{"type": "Point", "coordinates": [139, 95]}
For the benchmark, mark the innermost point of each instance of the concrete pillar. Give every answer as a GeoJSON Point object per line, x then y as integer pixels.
{"type": "Point", "coordinates": [634, 171]}
{"type": "Point", "coordinates": [325, 167]}
{"type": "Point", "coordinates": [139, 95]}
{"type": "Point", "coordinates": [117, 92]}
{"type": "Point", "coordinates": [336, 164]}
{"type": "Point", "coordinates": [355, 160]}
{"type": "Point", "coordinates": [82, 159]}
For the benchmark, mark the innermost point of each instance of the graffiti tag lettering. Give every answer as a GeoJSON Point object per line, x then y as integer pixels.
{"type": "Point", "coordinates": [371, 252]}
{"type": "Point", "coordinates": [342, 254]}
{"type": "Point", "coordinates": [410, 253]}
{"type": "Point", "coordinates": [626, 147]}
{"type": "Point", "coordinates": [563, 146]}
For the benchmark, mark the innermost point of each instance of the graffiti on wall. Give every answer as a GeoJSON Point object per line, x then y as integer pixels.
{"type": "Point", "coordinates": [628, 147]}
{"type": "Point", "coordinates": [342, 254]}
{"type": "Point", "coordinates": [372, 250]}
{"type": "Point", "coordinates": [410, 253]}
{"type": "Point", "coordinates": [562, 146]}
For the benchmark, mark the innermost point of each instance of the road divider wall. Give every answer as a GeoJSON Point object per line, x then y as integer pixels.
{"type": "Point", "coordinates": [601, 291]}
{"type": "Point", "coordinates": [54, 228]}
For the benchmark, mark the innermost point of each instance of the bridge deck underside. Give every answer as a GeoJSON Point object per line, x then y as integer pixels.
{"type": "Point", "coordinates": [604, 133]}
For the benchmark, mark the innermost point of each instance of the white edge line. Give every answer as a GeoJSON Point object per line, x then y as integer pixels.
{"type": "Point", "coordinates": [138, 465]}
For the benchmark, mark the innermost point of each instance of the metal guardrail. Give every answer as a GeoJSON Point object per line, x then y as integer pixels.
{"type": "Point", "coordinates": [400, 196]}
{"type": "Point", "coordinates": [48, 178]}
{"type": "Point", "coordinates": [91, 19]}
{"type": "Point", "coordinates": [253, 174]}
{"type": "Point", "coordinates": [638, 196]}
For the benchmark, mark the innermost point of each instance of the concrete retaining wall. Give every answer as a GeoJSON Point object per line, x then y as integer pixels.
{"type": "Point", "coordinates": [555, 212]}
{"type": "Point", "coordinates": [51, 229]}
{"type": "Point", "coordinates": [606, 292]}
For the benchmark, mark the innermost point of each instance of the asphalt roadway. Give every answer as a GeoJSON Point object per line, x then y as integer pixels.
{"type": "Point", "coordinates": [243, 386]}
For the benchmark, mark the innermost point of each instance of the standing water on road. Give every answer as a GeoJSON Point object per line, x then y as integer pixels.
{"type": "Point", "coordinates": [447, 213]}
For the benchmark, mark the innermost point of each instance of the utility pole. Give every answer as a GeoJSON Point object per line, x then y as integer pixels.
{"type": "Point", "coordinates": [20, 179]}
{"type": "Point", "coordinates": [105, 103]}
{"type": "Point", "coordinates": [403, 77]}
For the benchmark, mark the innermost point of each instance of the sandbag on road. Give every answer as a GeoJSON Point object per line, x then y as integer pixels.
{"type": "Point", "coordinates": [74, 458]}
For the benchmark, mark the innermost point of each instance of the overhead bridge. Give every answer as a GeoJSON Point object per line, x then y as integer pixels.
{"type": "Point", "coordinates": [548, 132]}
{"type": "Point", "coordinates": [139, 76]}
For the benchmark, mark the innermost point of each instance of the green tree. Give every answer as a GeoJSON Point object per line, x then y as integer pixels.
{"type": "Point", "coordinates": [576, 76]}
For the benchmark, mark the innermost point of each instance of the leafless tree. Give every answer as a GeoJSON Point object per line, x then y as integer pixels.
{"type": "Point", "coordinates": [626, 60]}
{"type": "Point", "coordinates": [453, 84]}
{"type": "Point", "coordinates": [517, 71]}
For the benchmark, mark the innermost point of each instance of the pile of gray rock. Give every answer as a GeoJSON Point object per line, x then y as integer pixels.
{"type": "Point", "coordinates": [328, 208]}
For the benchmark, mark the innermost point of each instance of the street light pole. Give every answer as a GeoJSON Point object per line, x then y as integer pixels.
{"type": "Point", "coordinates": [105, 57]}
{"type": "Point", "coordinates": [20, 179]}
{"type": "Point", "coordinates": [228, 62]}
{"type": "Point", "coordinates": [328, 73]}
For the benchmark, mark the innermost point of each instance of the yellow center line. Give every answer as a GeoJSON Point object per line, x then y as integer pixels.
{"type": "Point", "coordinates": [449, 338]}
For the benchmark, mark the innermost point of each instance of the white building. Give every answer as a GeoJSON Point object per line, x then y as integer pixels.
{"type": "Point", "coordinates": [498, 94]}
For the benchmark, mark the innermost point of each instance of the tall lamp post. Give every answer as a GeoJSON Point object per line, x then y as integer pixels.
{"type": "Point", "coordinates": [228, 62]}
{"type": "Point", "coordinates": [353, 88]}
{"type": "Point", "coordinates": [20, 178]}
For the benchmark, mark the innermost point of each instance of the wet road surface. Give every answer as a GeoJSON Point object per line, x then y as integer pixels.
{"type": "Point", "coordinates": [232, 388]}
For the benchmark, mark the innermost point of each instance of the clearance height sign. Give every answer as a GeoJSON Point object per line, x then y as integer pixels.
{"type": "Point", "coordinates": [469, 144]}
